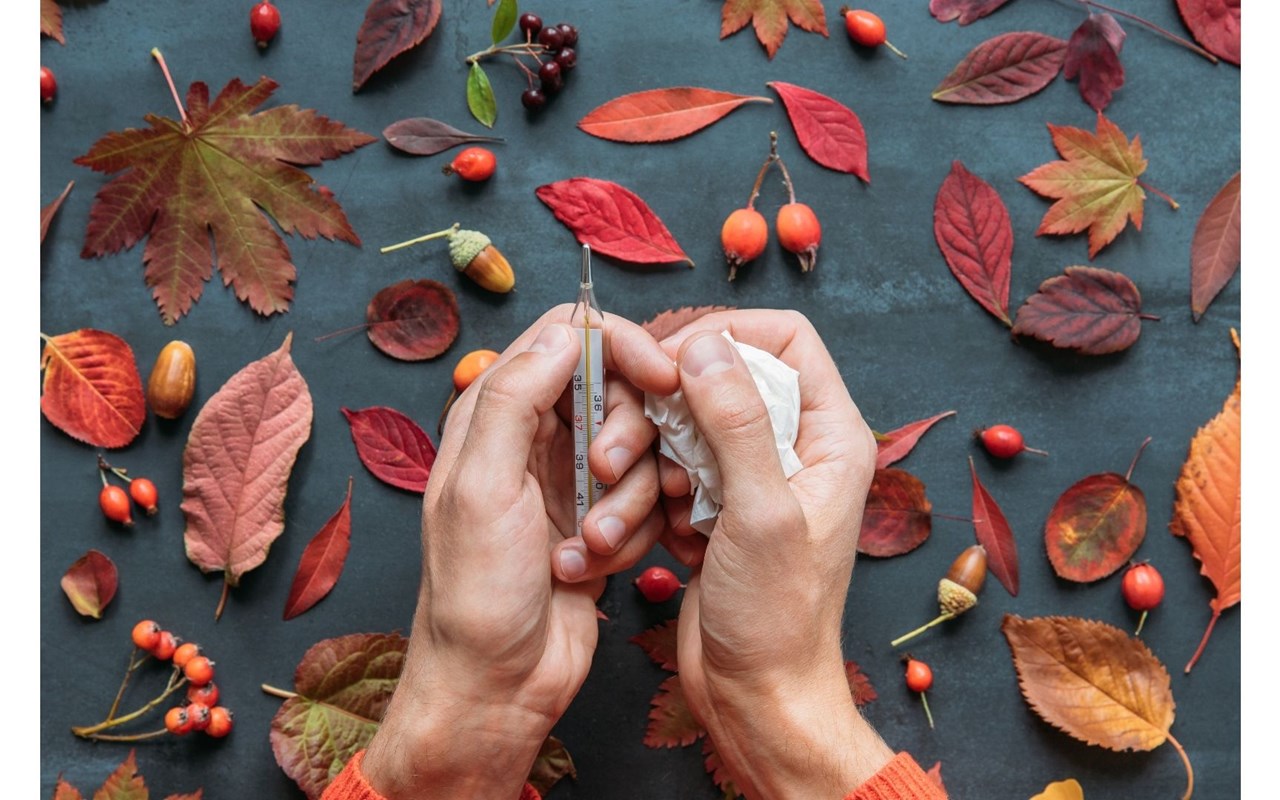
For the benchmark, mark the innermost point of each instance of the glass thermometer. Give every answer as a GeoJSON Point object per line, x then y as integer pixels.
{"type": "Point", "coordinates": [588, 390]}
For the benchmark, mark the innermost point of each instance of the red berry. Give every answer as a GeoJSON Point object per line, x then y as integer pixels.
{"type": "Point", "coordinates": [205, 695]}
{"type": "Point", "coordinates": [864, 28]}
{"type": "Point", "coordinates": [473, 164]}
{"type": "Point", "coordinates": [198, 716]}
{"type": "Point", "coordinates": [568, 34]}
{"type": "Point", "coordinates": [1005, 441]}
{"type": "Point", "coordinates": [799, 232]}
{"type": "Point", "coordinates": [144, 494]}
{"type": "Point", "coordinates": [530, 24]}
{"type": "Point", "coordinates": [1143, 587]}
{"type": "Point", "coordinates": [146, 634]}
{"type": "Point", "coordinates": [185, 653]}
{"type": "Point", "coordinates": [551, 38]}
{"type": "Point", "coordinates": [221, 721]}
{"type": "Point", "coordinates": [115, 505]}
{"type": "Point", "coordinates": [48, 85]}
{"type": "Point", "coordinates": [533, 99]}
{"type": "Point", "coordinates": [919, 676]}
{"type": "Point", "coordinates": [743, 237]}
{"type": "Point", "coordinates": [567, 58]}
{"type": "Point", "coordinates": [264, 22]}
{"type": "Point", "coordinates": [166, 644]}
{"type": "Point", "coordinates": [658, 584]}
{"type": "Point", "coordinates": [199, 670]}
{"type": "Point", "coordinates": [177, 722]}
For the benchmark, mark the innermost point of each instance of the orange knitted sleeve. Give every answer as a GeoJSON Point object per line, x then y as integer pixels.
{"type": "Point", "coordinates": [900, 779]}
{"type": "Point", "coordinates": [351, 785]}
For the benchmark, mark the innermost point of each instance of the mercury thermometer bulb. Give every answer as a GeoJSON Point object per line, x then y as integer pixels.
{"type": "Point", "coordinates": [588, 391]}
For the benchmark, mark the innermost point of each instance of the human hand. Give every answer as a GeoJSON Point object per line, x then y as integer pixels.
{"type": "Point", "coordinates": [759, 635]}
{"type": "Point", "coordinates": [501, 640]}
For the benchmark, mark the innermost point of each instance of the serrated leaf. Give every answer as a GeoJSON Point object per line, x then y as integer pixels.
{"type": "Point", "coordinates": [390, 28]}
{"type": "Point", "coordinates": [321, 562]}
{"type": "Point", "coordinates": [1215, 248]}
{"type": "Point", "coordinates": [392, 447]}
{"type": "Point", "coordinates": [1069, 789]}
{"type": "Point", "coordinates": [504, 20]}
{"type": "Point", "coordinates": [828, 130]}
{"type": "Point", "coordinates": [1096, 526]}
{"type": "Point", "coordinates": [91, 389]}
{"type": "Point", "coordinates": [860, 687]}
{"type": "Point", "coordinates": [714, 765]}
{"type": "Point", "coordinates": [224, 170]}
{"type": "Point", "coordinates": [90, 583]}
{"type": "Point", "coordinates": [47, 213]}
{"type": "Point", "coordinates": [1092, 311]}
{"type": "Point", "coordinates": [65, 791]}
{"type": "Point", "coordinates": [897, 518]}
{"type": "Point", "coordinates": [124, 783]}
{"type": "Point", "coordinates": [480, 99]}
{"type": "Point", "coordinates": [965, 11]}
{"type": "Point", "coordinates": [413, 320]}
{"type": "Point", "coordinates": [422, 136]}
{"type": "Point", "coordinates": [613, 220]}
{"type": "Point", "coordinates": [1093, 56]}
{"type": "Point", "coordinates": [1215, 24]}
{"type": "Point", "coordinates": [934, 774]}
{"type": "Point", "coordinates": [660, 115]}
{"type": "Point", "coordinates": [972, 228]}
{"type": "Point", "coordinates": [769, 18]}
{"type": "Point", "coordinates": [671, 723]}
{"type": "Point", "coordinates": [671, 321]}
{"type": "Point", "coordinates": [1004, 69]}
{"type": "Point", "coordinates": [993, 533]}
{"type": "Point", "coordinates": [659, 642]}
{"type": "Point", "coordinates": [552, 763]}
{"type": "Point", "coordinates": [51, 20]}
{"type": "Point", "coordinates": [895, 445]}
{"type": "Point", "coordinates": [237, 462]}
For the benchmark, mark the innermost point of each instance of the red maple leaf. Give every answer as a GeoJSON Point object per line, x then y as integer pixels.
{"type": "Point", "coordinates": [769, 17]}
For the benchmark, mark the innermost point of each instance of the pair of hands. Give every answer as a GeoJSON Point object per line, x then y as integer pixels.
{"type": "Point", "coordinates": [504, 635]}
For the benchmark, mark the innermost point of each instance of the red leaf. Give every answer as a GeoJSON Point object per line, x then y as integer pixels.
{"type": "Point", "coordinates": [971, 226]}
{"type": "Point", "coordinates": [1005, 69]}
{"type": "Point", "coordinates": [714, 765]}
{"type": "Point", "coordinates": [964, 10]}
{"type": "Point", "coordinates": [613, 220]}
{"type": "Point", "coordinates": [90, 583]}
{"type": "Point", "coordinates": [51, 20]}
{"type": "Point", "coordinates": [895, 445]}
{"type": "Point", "coordinates": [421, 136]}
{"type": "Point", "coordinates": [390, 28]}
{"type": "Point", "coordinates": [897, 517]}
{"type": "Point", "coordinates": [659, 642]}
{"type": "Point", "coordinates": [1092, 311]}
{"type": "Point", "coordinates": [1215, 248]}
{"type": "Point", "coordinates": [934, 774]}
{"type": "Point", "coordinates": [91, 390]}
{"type": "Point", "coordinates": [993, 533]}
{"type": "Point", "coordinates": [65, 791]}
{"type": "Point", "coordinates": [124, 783]}
{"type": "Point", "coordinates": [50, 211]}
{"type": "Point", "coordinates": [859, 684]}
{"type": "Point", "coordinates": [660, 115]}
{"type": "Point", "coordinates": [392, 446]}
{"type": "Point", "coordinates": [1093, 55]}
{"type": "Point", "coordinates": [413, 320]}
{"type": "Point", "coordinates": [671, 723]}
{"type": "Point", "coordinates": [1096, 526]}
{"type": "Point", "coordinates": [829, 132]}
{"type": "Point", "coordinates": [1215, 24]}
{"type": "Point", "coordinates": [769, 17]}
{"type": "Point", "coordinates": [669, 322]}
{"type": "Point", "coordinates": [322, 561]}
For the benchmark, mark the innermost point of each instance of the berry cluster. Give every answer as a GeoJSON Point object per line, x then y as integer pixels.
{"type": "Point", "coordinates": [559, 42]}
{"type": "Point", "coordinates": [115, 503]}
{"type": "Point", "coordinates": [745, 232]}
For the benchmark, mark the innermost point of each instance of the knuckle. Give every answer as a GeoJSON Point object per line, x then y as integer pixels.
{"type": "Point", "coordinates": [501, 389]}
{"type": "Point", "coordinates": [740, 417]}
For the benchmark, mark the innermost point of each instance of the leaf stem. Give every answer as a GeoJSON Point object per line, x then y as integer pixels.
{"type": "Point", "coordinates": [764, 168]}
{"type": "Point", "coordinates": [446, 232]}
{"type": "Point", "coordinates": [951, 517]}
{"type": "Point", "coordinates": [283, 694]}
{"type": "Point", "coordinates": [1160, 194]}
{"type": "Point", "coordinates": [1173, 37]}
{"type": "Point", "coordinates": [1204, 640]}
{"type": "Point", "coordinates": [1136, 456]}
{"type": "Point", "coordinates": [527, 48]}
{"type": "Point", "coordinates": [943, 617]}
{"type": "Point", "coordinates": [1191, 775]}
{"type": "Point", "coordinates": [87, 732]}
{"type": "Point", "coordinates": [222, 601]}
{"type": "Point", "coordinates": [164, 68]}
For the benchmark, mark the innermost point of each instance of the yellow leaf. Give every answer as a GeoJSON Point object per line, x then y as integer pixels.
{"type": "Point", "coordinates": [1062, 790]}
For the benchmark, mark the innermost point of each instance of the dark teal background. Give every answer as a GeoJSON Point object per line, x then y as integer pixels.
{"type": "Point", "coordinates": [908, 340]}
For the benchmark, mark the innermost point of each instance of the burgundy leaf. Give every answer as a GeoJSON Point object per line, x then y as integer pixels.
{"type": "Point", "coordinates": [613, 220]}
{"type": "Point", "coordinates": [894, 446]}
{"type": "Point", "coordinates": [1215, 24]}
{"type": "Point", "coordinates": [413, 320]}
{"type": "Point", "coordinates": [390, 28]}
{"type": "Point", "coordinates": [993, 533]}
{"type": "Point", "coordinates": [829, 132]}
{"type": "Point", "coordinates": [1093, 55]}
{"type": "Point", "coordinates": [1090, 310]}
{"type": "Point", "coordinates": [971, 225]}
{"type": "Point", "coordinates": [90, 583]}
{"type": "Point", "coordinates": [392, 446]}
{"type": "Point", "coordinates": [671, 723]}
{"type": "Point", "coordinates": [897, 518]}
{"type": "Point", "coordinates": [422, 136]}
{"type": "Point", "coordinates": [668, 322]}
{"type": "Point", "coordinates": [1215, 248]}
{"type": "Point", "coordinates": [659, 642]}
{"type": "Point", "coordinates": [322, 561]}
{"type": "Point", "coordinates": [859, 684]}
{"type": "Point", "coordinates": [50, 211]}
{"type": "Point", "coordinates": [1005, 69]}
{"type": "Point", "coordinates": [965, 11]}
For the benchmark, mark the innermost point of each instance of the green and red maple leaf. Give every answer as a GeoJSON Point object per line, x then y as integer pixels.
{"type": "Point", "coordinates": [769, 18]}
{"type": "Point", "coordinates": [221, 170]}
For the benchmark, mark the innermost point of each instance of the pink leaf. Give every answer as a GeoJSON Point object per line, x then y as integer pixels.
{"type": "Point", "coordinates": [1093, 55]}
{"type": "Point", "coordinates": [829, 132]}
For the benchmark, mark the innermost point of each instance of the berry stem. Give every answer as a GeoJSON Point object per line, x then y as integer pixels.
{"type": "Point", "coordinates": [764, 168]}
{"type": "Point", "coordinates": [1171, 36]}
{"type": "Point", "coordinates": [119, 472]}
{"type": "Point", "coordinates": [527, 48]}
{"type": "Point", "coordinates": [1142, 620]}
{"type": "Point", "coordinates": [786, 179]}
{"type": "Point", "coordinates": [444, 413]}
{"type": "Point", "coordinates": [128, 737]}
{"type": "Point", "coordinates": [527, 72]}
{"type": "Point", "coordinates": [1186, 762]}
{"type": "Point", "coordinates": [943, 617]}
{"type": "Point", "coordinates": [222, 601]}
{"type": "Point", "coordinates": [1160, 194]}
{"type": "Point", "coordinates": [903, 56]}
{"type": "Point", "coordinates": [1136, 456]}
{"type": "Point", "coordinates": [1036, 450]}
{"type": "Point", "coordinates": [128, 673]}
{"type": "Point", "coordinates": [164, 68]}
{"type": "Point", "coordinates": [927, 713]}
{"type": "Point", "coordinates": [91, 731]}
{"type": "Point", "coordinates": [1204, 640]}
{"type": "Point", "coordinates": [283, 694]}
{"type": "Point", "coordinates": [438, 234]}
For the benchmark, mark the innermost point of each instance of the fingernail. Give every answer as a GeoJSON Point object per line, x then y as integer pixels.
{"type": "Point", "coordinates": [612, 530]}
{"type": "Point", "coordinates": [553, 339]}
{"type": "Point", "coordinates": [707, 355]}
{"type": "Point", "coordinates": [619, 459]}
{"type": "Point", "coordinates": [572, 563]}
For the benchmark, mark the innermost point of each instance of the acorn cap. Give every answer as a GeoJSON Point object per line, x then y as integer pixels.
{"type": "Point", "coordinates": [464, 246]}
{"type": "Point", "coordinates": [954, 599]}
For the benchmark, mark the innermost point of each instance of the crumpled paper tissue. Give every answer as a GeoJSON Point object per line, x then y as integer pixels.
{"type": "Point", "coordinates": [680, 441]}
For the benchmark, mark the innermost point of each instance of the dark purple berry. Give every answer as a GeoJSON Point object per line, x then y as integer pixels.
{"type": "Point", "coordinates": [530, 24]}
{"type": "Point", "coordinates": [551, 38]}
{"type": "Point", "coordinates": [569, 33]}
{"type": "Point", "coordinates": [551, 76]}
{"type": "Point", "coordinates": [567, 58]}
{"type": "Point", "coordinates": [533, 99]}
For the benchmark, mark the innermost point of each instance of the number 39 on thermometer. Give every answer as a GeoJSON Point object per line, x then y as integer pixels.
{"type": "Point", "coordinates": [588, 391]}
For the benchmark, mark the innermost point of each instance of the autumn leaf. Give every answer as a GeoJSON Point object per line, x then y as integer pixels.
{"type": "Point", "coordinates": [671, 723]}
{"type": "Point", "coordinates": [1215, 248]}
{"type": "Point", "coordinates": [828, 131]}
{"type": "Point", "coordinates": [124, 783]}
{"type": "Point", "coordinates": [92, 390]}
{"type": "Point", "coordinates": [422, 136]}
{"type": "Point", "coordinates": [51, 20]}
{"type": "Point", "coordinates": [1090, 310]}
{"type": "Point", "coordinates": [236, 466]}
{"type": "Point", "coordinates": [413, 320]}
{"type": "Point", "coordinates": [860, 687]}
{"type": "Point", "coordinates": [769, 18]}
{"type": "Point", "coordinates": [897, 517]}
{"type": "Point", "coordinates": [90, 583]}
{"type": "Point", "coordinates": [552, 764]}
{"type": "Point", "coordinates": [390, 28]}
{"type": "Point", "coordinates": [965, 11]}
{"type": "Point", "coordinates": [1093, 56]}
{"type": "Point", "coordinates": [1094, 683]}
{"type": "Point", "coordinates": [669, 322]}
{"type": "Point", "coordinates": [659, 642]}
{"type": "Point", "coordinates": [1005, 69]}
{"type": "Point", "coordinates": [221, 169]}
{"type": "Point", "coordinates": [972, 228]}
{"type": "Point", "coordinates": [47, 213]}
{"type": "Point", "coordinates": [322, 561]}
{"type": "Point", "coordinates": [392, 447]}
{"type": "Point", "coordinates": [934, 774]}
{"type": "Point", "coordinates": [65, 791]}
{"type": "Point", "coordinates": [1206, 508]}
{"type": "Point", "coordinates": [712, 762]}
{"type": "Point", "coordinates": [1097, 525]}
{"type": "Point", "coordinates": [1069, 789]}
{"type": "Point", "coordinates": [993, 533]}
{"type": "Point", "coordinates": [1215, 24]}
{"type": "Point", "coordinates": [660, 115]}
{"type": "Point", "coordinates": [895, 445]}
{"type": "Point", "coordinates": [613, 220]}
{"type": "Point", "coordinates": [1096, 187]}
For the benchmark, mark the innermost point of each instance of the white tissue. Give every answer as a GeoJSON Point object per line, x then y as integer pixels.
{"type": "Point", "coordinates": [680, 441]}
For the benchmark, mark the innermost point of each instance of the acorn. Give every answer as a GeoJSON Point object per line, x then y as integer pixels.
{"type": "Point", "coordinates": [172, 382]}
{"type": "Point", "coordinates": [474, 255]}
{"type": "Point", "coordinates": [958, 590]}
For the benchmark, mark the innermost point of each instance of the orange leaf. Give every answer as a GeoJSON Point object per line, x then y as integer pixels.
{"type": "Point", "coordinates": [123, 784]}
{"type": "Point", "coordinates": [934, 774]}
{"type": "Point", "coordinates": [1069, 789]}
{"type": "Point", "coordinates": [51, 20]}
{"type": "Point", "coordinates": [769, 17]}
{"type": "Point", "coordinates": [860, 687]}
{"type": "Point", "coordinates": [65, 791]}
{"type": "Point", "coordinates": [1206, 509]}
{"type": "Point", "coordinates": [1097, 525]}
{"type": "Point", "coordinates": [1215, 248]}
{"type": "Point", "coordinates": [660, 115]}
{"type": "Point", "coordinates": [92, 390]}
{"type": "Point", "coordinates": [671, 723]}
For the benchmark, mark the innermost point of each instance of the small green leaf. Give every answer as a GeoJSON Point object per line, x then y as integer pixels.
{"type": "Point", "coordinates": [504, 19]}
{"type": "Point", "coordinates": [480, 97]}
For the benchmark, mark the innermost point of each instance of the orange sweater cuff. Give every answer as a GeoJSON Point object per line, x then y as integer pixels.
{"type": "Point", "coordinates": [900, 779]}
{"type": "Point", "coordinates": [351, 785]}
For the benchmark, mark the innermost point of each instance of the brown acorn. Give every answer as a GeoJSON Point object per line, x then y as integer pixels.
{"type": "Point", "coordinates": [958, 591]}
{"type": "Point", "coordinates": [172, 382]}
{"type": "Point", "coordinates": [474, 255]}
